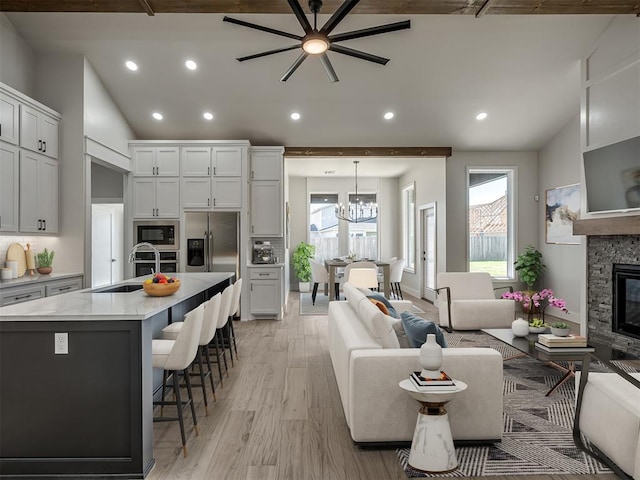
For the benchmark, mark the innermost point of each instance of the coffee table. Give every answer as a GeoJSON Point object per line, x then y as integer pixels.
{"type": "Point", "coordinates": [526, 345]}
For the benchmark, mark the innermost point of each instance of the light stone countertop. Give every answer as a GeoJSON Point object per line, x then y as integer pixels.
{"type": "Point", "coordinates": [265, 265]}
{"type": "Point", "coordinates": [27, 279]}
{"type": "Point", "coordinates": [89, 305]}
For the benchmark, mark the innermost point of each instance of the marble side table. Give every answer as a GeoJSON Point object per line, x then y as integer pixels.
{"type": "Point", "coordinates": [432, 449]}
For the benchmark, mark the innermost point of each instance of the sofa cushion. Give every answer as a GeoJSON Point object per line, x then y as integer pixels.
{"type": "Point", "coordinates": [391, 311]}
{"type": "Point", "coordinates": [381, 306]}
{"type": "Point", "coordinates": [417, 329]}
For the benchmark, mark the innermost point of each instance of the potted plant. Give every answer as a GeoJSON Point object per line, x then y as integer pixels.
{"type": "Point", "coordinates": [529, 266]}
{"type": "Point", "coordinates": [560, 329]}
{"type": "Point", "coordinates": [44, 260]}
{"type": "Point", "coordinates": [301, 255]}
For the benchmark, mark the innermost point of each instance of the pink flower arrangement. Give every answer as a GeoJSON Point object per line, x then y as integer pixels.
{"type": "Point", "coordinates": [533, 302]}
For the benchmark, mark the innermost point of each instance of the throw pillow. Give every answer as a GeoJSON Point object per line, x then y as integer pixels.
{"type": "Point", "coordinates": [417, 329]}
{"type": "Point", "coordinates": [381, 298]}
{"type": "Point", "coordinates": [381, 306]}
{"type": "Point", "coordinates": [403, 341]}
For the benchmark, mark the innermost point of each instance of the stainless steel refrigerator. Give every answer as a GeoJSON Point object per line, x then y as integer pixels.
{"type": "Point", "coordinates": [213, 240]}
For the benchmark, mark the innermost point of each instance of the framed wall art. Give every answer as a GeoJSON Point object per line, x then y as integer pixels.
{"type": "Point", "coordinates": [561, 209]}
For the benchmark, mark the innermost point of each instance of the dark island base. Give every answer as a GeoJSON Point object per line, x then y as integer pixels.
{"type": "Point", "coordinates": [88, 414]}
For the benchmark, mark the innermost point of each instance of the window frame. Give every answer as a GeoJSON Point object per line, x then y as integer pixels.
{"type": "Point", "coordinates": [408, 238]}
{"type": "Point", "coordinates": [512, 228]}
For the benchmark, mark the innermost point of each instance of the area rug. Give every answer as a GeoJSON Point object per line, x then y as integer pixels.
{"type": "Point", "coordinates": [537, 437]}
{"type": "Point", "coordinates": [322, 304]}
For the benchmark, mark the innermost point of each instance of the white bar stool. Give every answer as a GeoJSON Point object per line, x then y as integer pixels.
{"type": "Point", "coordinates": [175, 356]}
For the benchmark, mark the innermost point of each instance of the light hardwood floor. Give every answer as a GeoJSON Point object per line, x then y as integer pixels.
{"type": "Point", "coordinates": [279, 416]}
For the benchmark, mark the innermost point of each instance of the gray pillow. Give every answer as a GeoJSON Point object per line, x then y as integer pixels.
{"type": "Point", "coordinates": [417, 329]}
{"type": "Point", "coordinates": [381, 298]}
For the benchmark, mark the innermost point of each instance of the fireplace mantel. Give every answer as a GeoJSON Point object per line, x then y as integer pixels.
{"type": "Point", "coordinates": [608, 226]}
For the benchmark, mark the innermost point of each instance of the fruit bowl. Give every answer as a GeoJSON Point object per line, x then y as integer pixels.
{"type": "Point", "coordinates": [161, 285]}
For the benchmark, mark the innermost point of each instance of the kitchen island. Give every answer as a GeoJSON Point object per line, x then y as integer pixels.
{"type": "Point", "coordinates": [87, 413]}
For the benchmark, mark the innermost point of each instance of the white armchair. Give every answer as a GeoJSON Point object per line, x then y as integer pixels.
{"type": "Point", "coordinates": [467, 301]}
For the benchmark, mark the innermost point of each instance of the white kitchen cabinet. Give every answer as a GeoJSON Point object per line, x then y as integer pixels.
{"type": "Point", "coordinates": [150, 161]}
{"type": "Point", "coordinates": [38, 131]}
{"type": "Point", "coordinates": [266, 209]}
{"type": "Point", "coordinates": [227, 161]}
{"type": "Point", "coordinates": [267, 163]}
{"type": "Point", "coordinates": [196, 192]}
{"type": "Point", "coordinates": [156, 197]}
{"type": "Point", "coordinates": [38, 193]}
{"type": "Point", "coordinates": [9, 187]}
{"type": "Point", "coordinates": [195, 161]}
{"type": "Point", "coordinates": [265, 291]}
{"type": "Point", "coordinates": [226, 193]}
{"type": "Point", "coordinates": [9, 115]}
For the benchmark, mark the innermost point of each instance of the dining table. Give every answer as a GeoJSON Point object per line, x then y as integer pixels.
{"type": "Point", "coordinates": [334, 263]}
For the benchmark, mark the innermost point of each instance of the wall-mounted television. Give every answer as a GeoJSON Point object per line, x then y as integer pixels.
{"type": "Point", "coordinates": [612, 177]}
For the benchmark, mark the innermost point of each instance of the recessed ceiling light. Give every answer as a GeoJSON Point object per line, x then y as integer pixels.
{"type": "Point", "coordinates": [388, 115]}
{"type": "Point", "coordinates": [295, 116]}
{"type": "Point", "coordinates": [157, 115]}
{"type": "Point", "coordinates": [191, 65]}
{"type": "Point", "coordinates": [131, 65]}
{"type": "Point", "coordinates": [481, 116]}
{"type": "Point", "coordinates": [208, 115]}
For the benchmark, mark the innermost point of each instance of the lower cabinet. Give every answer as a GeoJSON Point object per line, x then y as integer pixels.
{"type": "Point", "coordinates": [40, 289]}
{"type": "Point", "coordinates": [265, 291]}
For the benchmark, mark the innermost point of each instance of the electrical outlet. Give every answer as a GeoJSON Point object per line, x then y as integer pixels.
{"type": "Point", "coordinates": [61, 343]}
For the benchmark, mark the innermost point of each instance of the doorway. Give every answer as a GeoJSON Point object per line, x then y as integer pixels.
{"type": "Point", "coordinates": [429, 250]}
{"type": "Point", "coordinates": [107, 265]}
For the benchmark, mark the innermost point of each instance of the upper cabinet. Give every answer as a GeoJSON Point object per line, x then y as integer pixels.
{"type": "Point", "coordinates": [9, 181]}
{"type": "Point", "coordinates": [38, 193]}
{"type": "Point", "coordinates": [9, 114]}
{"type": "Point", "coordinates": [266, 163]}
{"type": "Point", "coordinates": [227, 161]}
{"type": "Point", "coordinates": [267, 199]}
{"type": "Point", "coordinates": [39, 131]}
{"type": "Point", "coordinates": [153, 161]}
{"type": "Point", "coordinates": [195, 161]}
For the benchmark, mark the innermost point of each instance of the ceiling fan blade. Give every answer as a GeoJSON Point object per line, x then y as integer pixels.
{"type": "Point", "coordinates": [367, 32]}
{"type": "Point", "coordinates": [303, 56]}
{"type": "Point", "coordinates": [261, 28]}
{"type": "Point", "coordinates": [270, 52]}
{"type": "Point", "coordinates": [328, 68]}
{"type": "Point", "coordinates": [358, 54]}
{"type": "Point", "coordinates": [337, 16]}
{"type": "Point", "coordinates": [299, 13]}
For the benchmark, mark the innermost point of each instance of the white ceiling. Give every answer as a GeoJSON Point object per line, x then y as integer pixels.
{"type": "Point", "coordinates": [524, 71]}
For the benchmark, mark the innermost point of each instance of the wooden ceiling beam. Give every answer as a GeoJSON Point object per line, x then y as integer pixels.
{"type": "Point", "coordinates": [367, 152]}
{"type": "Point", "coordinates": [387, 7]}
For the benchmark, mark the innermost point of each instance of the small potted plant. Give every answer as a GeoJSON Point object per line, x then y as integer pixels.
{"type": "Point", "coordinates": [529, 266]}
{"type": "Point", "coordinates": [301, 255]}
{"type": "Point", "coordinates": [44, 260]}
{"type": "Point", "coordinates": [560, 329]}
{"type": "Point", "coordinates": [537, 325]}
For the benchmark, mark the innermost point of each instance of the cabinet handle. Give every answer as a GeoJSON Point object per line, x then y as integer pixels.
{"type": "Point", "coordinates": [208, 170]}
{"type": "Point", "coordinates": [39, 224]}
{"type": "Point", "coordinates": [214, 202]}
{"type": "Point", "coordinates": [64, 289]}
{"type": "Point", "coordinates": [252, 287]}
{"type": "Point", "coordinates": [214, 171]}
{"type": "Point", "coordinates": [44, 146]}
{"type": "Point", "coordinates": [22, 297]}
{"type": "Point", "coordinates": [208, 202]}
{"type": "Point", "coordinates": [252, 175]}
{"type": "Point", "coordinates": [263, 274]}
{"type": "Point", "coordinates": [44, 224]}
{"type": "Point", "coordinates": [39, 145]}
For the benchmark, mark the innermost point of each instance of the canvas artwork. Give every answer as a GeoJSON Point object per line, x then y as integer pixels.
{"type": "Point", "coordinates": [562, 208]}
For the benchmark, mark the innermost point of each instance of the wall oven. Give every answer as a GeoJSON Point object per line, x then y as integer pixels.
{"type": "Point", "coordinates": [165, 235]}
{"type": "Point", "coordinates": [145, 264]}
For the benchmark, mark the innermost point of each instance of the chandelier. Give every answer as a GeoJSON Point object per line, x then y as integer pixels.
{"type": "Point", "coordinates": [358, 210]}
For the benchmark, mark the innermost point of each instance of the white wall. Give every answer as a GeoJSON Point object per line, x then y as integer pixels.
{"type": "Point", "coordinates": [107, 185]}
{"type": "Point", "coordinates": [526, 211]}
{"type": "Point", "coordinates": [103, 121]}
{"type": "Point", "coordinates": [17, 61]}
{"type": "Point", "coordinates": [559, 163]}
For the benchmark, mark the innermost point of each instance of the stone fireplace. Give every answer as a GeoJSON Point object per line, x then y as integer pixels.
{"type": "Point", "coordinates": [614, 241]}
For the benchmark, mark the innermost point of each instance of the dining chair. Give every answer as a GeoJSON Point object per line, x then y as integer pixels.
{"type": "Point", "coordinates": [319, 274]}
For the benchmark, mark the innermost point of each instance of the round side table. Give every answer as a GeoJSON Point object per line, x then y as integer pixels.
{"type": "Point", "coordinates": [432, 449]}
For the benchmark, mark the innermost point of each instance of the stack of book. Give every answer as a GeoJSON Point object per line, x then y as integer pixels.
{"type": "Point", "coordinates": [444, 382]}
{"type": "Point", "coordinates": [569, 344]}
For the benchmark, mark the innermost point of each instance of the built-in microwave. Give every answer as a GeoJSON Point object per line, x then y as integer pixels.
{"type": "Point", "coordinates": [165, 235]}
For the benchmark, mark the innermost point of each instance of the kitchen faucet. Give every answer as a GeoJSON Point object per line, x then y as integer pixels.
{"type": "Point", "coordinates": [156, 254]}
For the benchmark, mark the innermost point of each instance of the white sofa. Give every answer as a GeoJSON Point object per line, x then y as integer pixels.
{"type": "Point", "coordinates": [609, 417]}
{"type": "Point", "coordinates": [375, 408]}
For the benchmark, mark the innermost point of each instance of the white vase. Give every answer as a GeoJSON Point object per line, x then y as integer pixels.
{"type": "Point", "coordinates": [520, 327]}
{"type": "Point", "coordinates": [430, 357]}
{"type": "Point", "coordinates": [304, 287]}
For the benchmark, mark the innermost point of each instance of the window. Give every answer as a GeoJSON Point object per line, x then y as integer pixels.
{"type": "Point", "coordinates": [323, 225]}
{"type": "Point", "coordinates": [363, 236]}
{"type": "Point", "coordinates": [490, 221]}
{"type": "Point", "coordinates": [409, 227]}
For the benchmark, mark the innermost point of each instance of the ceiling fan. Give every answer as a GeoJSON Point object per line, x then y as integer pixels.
{"type": "Point", "coordinates": [317, 42]}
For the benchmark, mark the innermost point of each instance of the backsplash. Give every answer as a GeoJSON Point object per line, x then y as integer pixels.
{"type": "Point", "coordinates": [277, 244]}
{"type": "Point", "coordinates": [22, 240]}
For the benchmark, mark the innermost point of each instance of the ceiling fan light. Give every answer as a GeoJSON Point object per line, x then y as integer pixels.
{"type": "Point", "coordinates": [315, 45]}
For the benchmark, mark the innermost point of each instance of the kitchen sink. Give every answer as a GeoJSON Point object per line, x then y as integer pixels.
{"type": "Point", "coordinates": [126, 288]}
